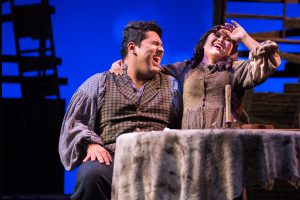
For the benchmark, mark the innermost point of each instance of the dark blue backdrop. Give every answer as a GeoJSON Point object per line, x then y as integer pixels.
{"type": "Point", "coordinates": [87, 36]}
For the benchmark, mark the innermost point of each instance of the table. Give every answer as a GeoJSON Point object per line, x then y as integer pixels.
{"type": "Point", "coordinates": [203, 164]}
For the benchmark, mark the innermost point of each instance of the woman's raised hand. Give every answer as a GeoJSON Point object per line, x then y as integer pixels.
{"type": "Point", "coordinates": [235, 31]}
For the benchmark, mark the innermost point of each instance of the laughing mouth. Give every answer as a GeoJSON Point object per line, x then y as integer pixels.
{"type": "Point", "coordinates": [156, 59]}
{"type": "Point", "coordinates": [218, 46]}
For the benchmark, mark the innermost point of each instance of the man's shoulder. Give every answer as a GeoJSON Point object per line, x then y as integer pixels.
{"type": "Point", "coordinates": [94, 83]}
{"type": "Point", "coordinates": [95, 79]}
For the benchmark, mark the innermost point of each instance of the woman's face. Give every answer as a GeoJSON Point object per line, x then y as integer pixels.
{"type": "Point", "coordinates": [218, 45]}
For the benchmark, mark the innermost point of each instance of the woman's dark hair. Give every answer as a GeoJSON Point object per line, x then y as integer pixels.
{"type": "Point", "coordinates": [225, 63]}
{"type": "Point", "coordinates": [135, 32]}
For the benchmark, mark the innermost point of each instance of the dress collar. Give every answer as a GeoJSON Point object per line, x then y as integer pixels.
{"type": "Point", "coordinates": [206, 67]}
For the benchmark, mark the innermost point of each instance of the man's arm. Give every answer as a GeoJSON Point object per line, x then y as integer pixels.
{"type": "Point", "coordinates": [78, 142]}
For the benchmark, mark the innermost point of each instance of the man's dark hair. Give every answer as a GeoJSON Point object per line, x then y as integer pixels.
{"type": "Point", "coordinates": [135, 32]}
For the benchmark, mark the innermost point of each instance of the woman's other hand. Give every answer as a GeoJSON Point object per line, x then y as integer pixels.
{"type": "Point", "coordinates": [117, 67]}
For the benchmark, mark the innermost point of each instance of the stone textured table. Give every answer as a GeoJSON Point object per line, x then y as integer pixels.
{"type": "Point", "coordinates": [203, 164]}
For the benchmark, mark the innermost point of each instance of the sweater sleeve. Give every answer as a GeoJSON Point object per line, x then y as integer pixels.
{"type": "Point", "coordinates": [263, 62]}
{"type": "Point", "coordinates": [176, 69]}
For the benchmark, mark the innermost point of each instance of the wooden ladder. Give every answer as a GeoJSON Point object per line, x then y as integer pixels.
{"type": "Point", "coordinates": [37, 64]}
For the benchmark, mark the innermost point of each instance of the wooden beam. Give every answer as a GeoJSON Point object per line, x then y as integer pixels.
{"type": "Point", "coordinates": [277, 33]}
{"type": "Point", "coordinates": [17, 79]}
{"type": "Point", "coordinates": [292, 88]}
{"type": "Point", "coordinates": [252, 16]}
{"type": "Point", "coordinates": [6, 18]}
{"type": "Point", "coordinates": [278, 40]}
{"type": "Point", "coordinates": [291, 57]}
{"type": "Point", "coordinates": [219, 12]}
{"type": "Point", "coordinates": [284, 74]}
{"type": "Point", "coordinates": [292, 22]}
{"type": "Point", "coordinates": [31, 63]}
{"type": "Point", "coordinates": [267, 1]}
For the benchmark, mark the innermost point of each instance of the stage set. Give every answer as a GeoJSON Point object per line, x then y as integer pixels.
{"type": "Point", "coordinates": [255, 161]}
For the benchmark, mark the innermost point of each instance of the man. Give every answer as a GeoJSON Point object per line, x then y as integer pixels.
{"type": "Point", "coordinates": [106, 106]}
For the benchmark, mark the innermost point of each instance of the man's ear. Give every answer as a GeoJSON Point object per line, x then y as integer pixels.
{"type": "Point", "coordinates": [131, 48]}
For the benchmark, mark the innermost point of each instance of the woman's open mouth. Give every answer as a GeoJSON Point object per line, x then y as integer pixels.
{"type": "Point", "coordinates": [218, 46]}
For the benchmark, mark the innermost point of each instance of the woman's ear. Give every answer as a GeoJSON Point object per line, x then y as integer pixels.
{"type": "Point", "coordinates": [131, 48]}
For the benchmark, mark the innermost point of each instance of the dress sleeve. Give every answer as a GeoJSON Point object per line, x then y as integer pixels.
{"type": "Point", "coordinates": [263, 62]}
{"type": "Point", "coordinates": [175, 69]}
{"type": "Point", "coordinates": [79, 122]}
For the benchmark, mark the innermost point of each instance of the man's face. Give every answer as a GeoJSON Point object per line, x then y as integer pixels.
{"type": "Point", "coordinates": [149, 55]}
{"type": "Point", "coordinates": [218, 45]}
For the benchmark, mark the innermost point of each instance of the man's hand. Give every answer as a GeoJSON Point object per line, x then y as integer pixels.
{"type": "Point", "coordinates": [95, 151]}
{"type": "Point", "coordinates": [117, 68]}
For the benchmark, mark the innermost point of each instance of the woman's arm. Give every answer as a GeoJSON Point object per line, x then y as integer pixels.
{"type": "Point", "coordinates": [174, 69]}
{"type": "Point", "coordinates": [263, 62]}
{"type": "Point", "coordinates": [263, 58]}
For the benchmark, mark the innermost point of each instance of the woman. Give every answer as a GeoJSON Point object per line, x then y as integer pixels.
{"type": "Point", "coordinates": [213, 66]}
